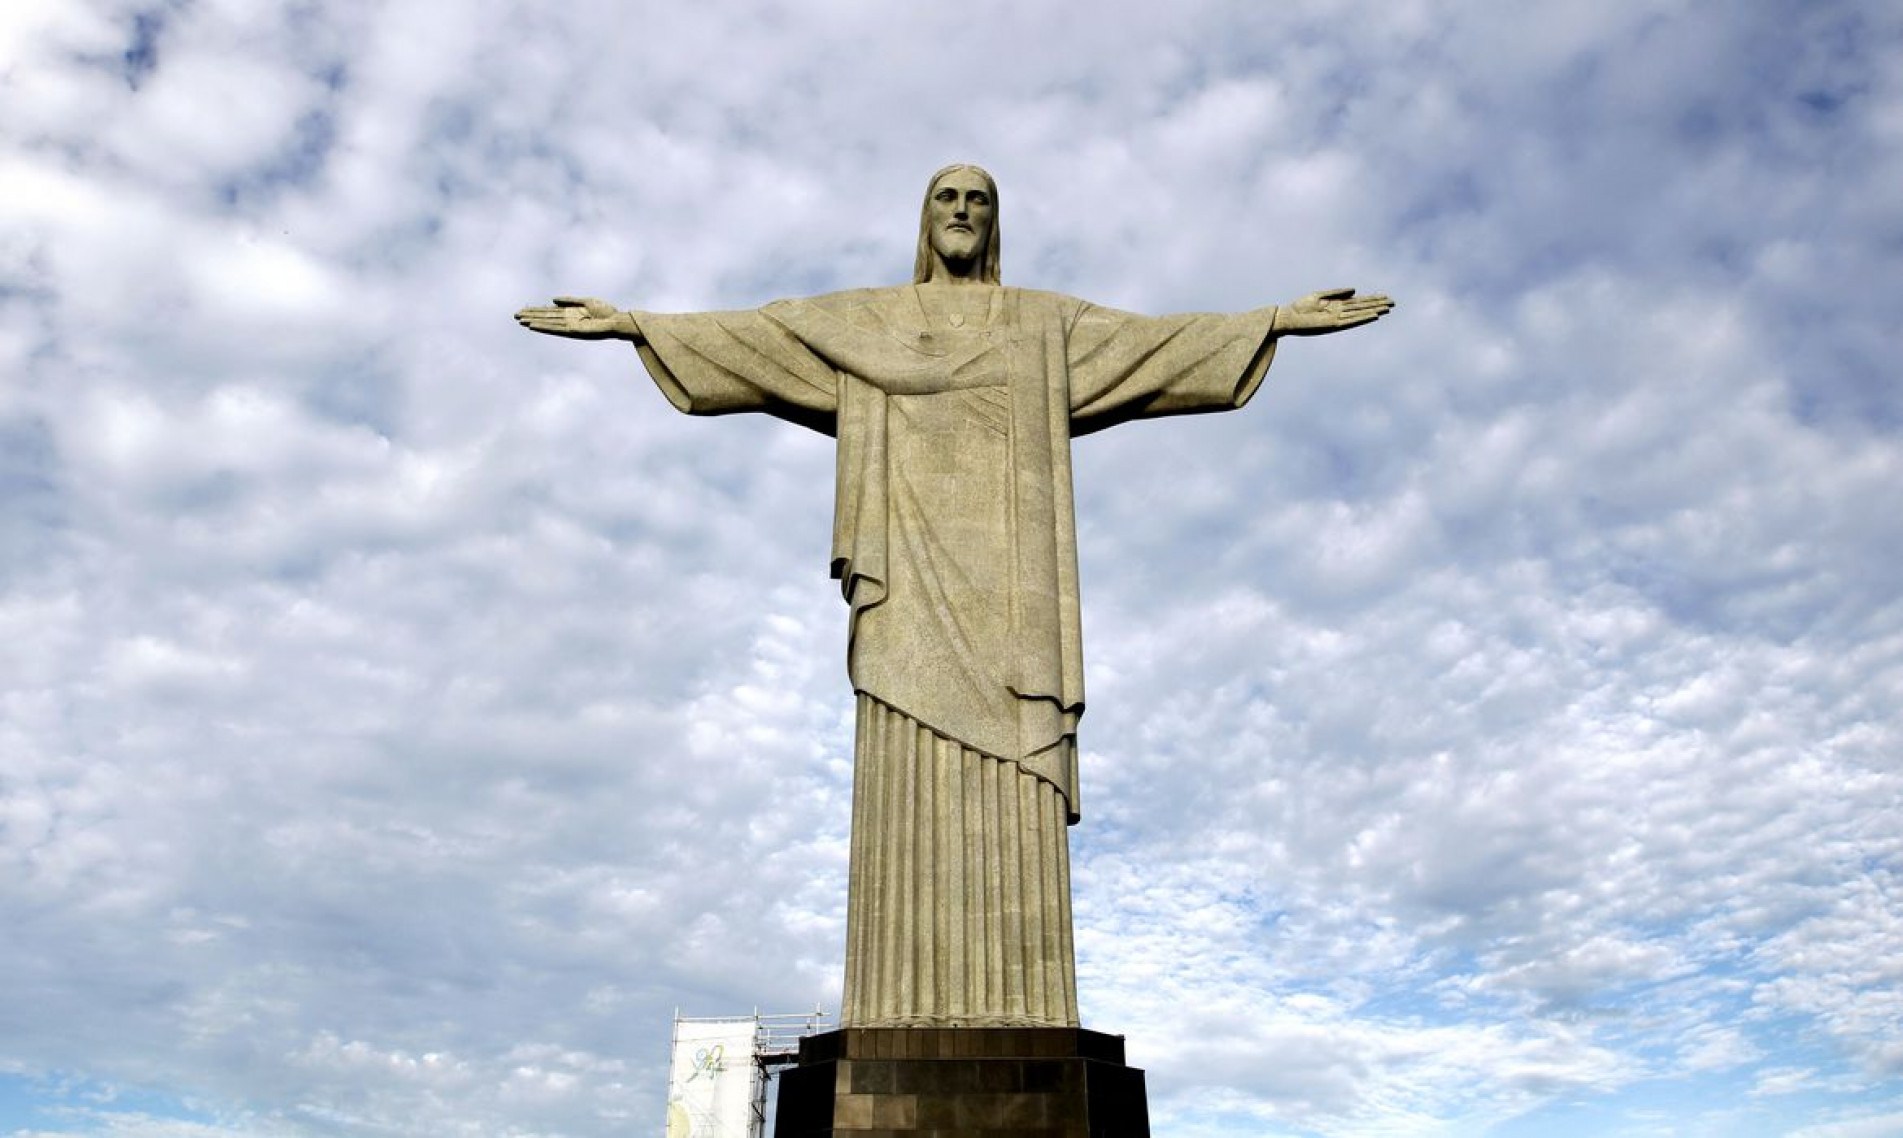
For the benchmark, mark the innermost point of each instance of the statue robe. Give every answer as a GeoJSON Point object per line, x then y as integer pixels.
{"type": "Point", "coordinates": [954, 542]}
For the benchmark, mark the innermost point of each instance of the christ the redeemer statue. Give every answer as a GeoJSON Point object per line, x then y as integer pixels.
{"type": "Point", "coordinates": [954, 401]}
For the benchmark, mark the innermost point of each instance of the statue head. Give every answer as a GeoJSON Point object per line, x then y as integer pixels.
{"type": "Point", "coordinates": [959, 223]}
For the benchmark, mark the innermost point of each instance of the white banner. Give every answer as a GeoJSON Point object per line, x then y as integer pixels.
{"type": "Point", "coordinates": [710, 1084]}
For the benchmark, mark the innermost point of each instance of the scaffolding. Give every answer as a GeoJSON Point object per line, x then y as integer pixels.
{"type": "Point", "coordinates": [711, 1056]}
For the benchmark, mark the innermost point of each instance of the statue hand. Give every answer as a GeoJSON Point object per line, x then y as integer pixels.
{"type": "Point", "coordinates": [579, 317]}
{"type": "Point", "coordinates": [1330, 310]}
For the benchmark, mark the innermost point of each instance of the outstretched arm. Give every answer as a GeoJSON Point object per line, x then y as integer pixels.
{"type": "Point", "coordinates": [1331, 310]}
{"type": "Point", "coordinates": [581, 318]}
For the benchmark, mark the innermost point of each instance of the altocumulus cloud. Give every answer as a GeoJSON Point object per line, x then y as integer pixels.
{"type": "Point", "coordinates": [1493, 730]}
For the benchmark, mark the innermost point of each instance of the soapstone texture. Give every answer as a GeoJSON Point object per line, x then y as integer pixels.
{"type": "Point", "coordinates": [954, 400]}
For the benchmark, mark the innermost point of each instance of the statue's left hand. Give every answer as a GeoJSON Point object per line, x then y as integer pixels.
{"type": "Point", "coordinates": [580, 317]}
{"type": "Point", "coordinates": [1330, 310]}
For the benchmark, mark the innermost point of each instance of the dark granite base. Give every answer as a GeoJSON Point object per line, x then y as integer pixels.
{"type": "Point", "coordinates": [975, 1082]}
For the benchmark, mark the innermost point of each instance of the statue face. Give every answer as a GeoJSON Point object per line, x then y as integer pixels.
{"type": "Point", "coordinates": [960, 214]}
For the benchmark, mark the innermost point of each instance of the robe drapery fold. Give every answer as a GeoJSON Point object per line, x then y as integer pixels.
{"type": "Point", "coordinates": [960, 886]}
{"type": "Point", "coordinates": [954, 539]}
{"type": "Point", "coordinates": [955, 544]}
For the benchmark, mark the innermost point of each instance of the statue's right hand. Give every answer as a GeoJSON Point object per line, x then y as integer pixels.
{"type": "Point", "coordinates": [580, 317]}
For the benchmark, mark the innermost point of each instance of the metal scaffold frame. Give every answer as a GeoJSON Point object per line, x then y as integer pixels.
{"type": "Point", "coordinates": [772, 1042]}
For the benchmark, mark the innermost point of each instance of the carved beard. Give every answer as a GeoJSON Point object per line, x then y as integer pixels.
{"type": "Point", "coordinates": [959, 245]}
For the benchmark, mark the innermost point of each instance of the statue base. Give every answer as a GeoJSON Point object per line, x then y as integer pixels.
{"type": "Point", "coordinates": [1002, 1082]}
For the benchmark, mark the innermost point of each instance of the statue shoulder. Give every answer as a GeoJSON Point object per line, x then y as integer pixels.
{"type": "Point", "coordinates": [1035, 306]}
{"type": "Point", "coordinates": [854, 306]}
{"type": "Point", "coordinates": [1055, 303]}
{"type": "Point", "coordinates": [862, 297]}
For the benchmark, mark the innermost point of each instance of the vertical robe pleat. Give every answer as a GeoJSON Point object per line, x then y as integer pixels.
{"type": "Point", "coordinates": [959, 907]}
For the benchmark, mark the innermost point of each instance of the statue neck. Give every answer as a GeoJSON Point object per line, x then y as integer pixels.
{"type": "Point", "coordinates": [944, 272]}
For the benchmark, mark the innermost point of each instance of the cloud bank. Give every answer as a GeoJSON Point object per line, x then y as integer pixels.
{"type": "Point", "coordinates": [1494, 727]}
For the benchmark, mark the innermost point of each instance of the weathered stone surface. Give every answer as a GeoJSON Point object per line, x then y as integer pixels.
{"type": "Point", "coordinates": [954, 401]}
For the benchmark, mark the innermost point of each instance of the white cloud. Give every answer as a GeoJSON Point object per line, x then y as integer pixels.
{"type": "Point", "coordinates": [407, 714]}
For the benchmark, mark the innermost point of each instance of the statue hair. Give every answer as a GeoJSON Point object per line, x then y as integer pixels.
{"type": "Point", "coordinates": [988, 260]}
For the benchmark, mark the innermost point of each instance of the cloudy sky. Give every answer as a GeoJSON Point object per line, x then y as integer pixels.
{"type": "Point", "coordinates": [1495, 728]}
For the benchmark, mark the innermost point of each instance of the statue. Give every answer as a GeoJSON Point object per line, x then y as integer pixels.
{"type": "Point", "coordinates": [954, 401]}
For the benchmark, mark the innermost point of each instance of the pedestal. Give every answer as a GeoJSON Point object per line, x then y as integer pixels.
{"type": "Point", "coordinates": [975, 1082]}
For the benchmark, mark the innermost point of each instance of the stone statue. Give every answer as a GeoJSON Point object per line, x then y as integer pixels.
{"type": "Point", "coordinates": [954, 401]}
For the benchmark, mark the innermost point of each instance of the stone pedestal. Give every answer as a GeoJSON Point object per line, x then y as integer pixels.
{"type": "Point", "coordinates": [974, 1082]}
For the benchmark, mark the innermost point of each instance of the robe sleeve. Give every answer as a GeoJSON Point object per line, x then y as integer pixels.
{"type": "Point", "coordinates": [723, 363]}
{"type": "Point", "coordinates": [1124, 366]}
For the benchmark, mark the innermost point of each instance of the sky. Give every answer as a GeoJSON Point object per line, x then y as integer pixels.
{"type": "Point", "coordinates": [1495, 728]}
